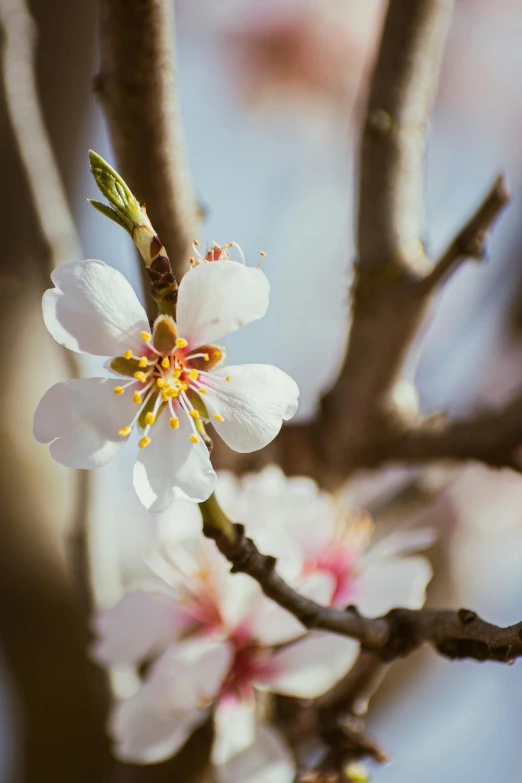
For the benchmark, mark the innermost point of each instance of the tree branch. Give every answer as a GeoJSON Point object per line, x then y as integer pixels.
{"type": "Point", "coordinates": [454, 634]}
{"type": "Point", "coordinates": [137, 89]}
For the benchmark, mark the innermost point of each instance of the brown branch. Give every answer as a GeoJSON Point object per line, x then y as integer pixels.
{"type": "Point", "coordinates": [454, 634]}
{"type": "Point", "coordinates": [137, 89]}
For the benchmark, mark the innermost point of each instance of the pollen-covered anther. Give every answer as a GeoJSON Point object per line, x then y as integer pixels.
{"type": "Point", "coordinates": [193, 374]}
{"type": "Point", "coordinates": [174, 422]}
{"type": "Point", "coordinates": [136, 397]}
{"type": "Point", "coordinates": [143, 361]}
{"type": "Point", "coordinates": [127, 355]}
{"type": "Point", "coordinates": [144, 442]}
{"type": "Point", "coordinates": [140, 376]}
{"type": "Point", "coordinates": [218, 417]}
{"type": "Point", "coordinates": [124, 432]}
{"type": "Point", "coordinates": [262, 253]}
{"type": "Point", "coordinates": [202, 391]}
{"type": "Point", "coordinates": [165, 363]}
{"type": "Point", "coordinates": [194, 438]}
{"type": "Point", "coordinates": [118, 390]}
{"type": "Point", "coordinates": [206, 357]}
{"type": "Point", "coordinates": [194, 413]}
{"type": "Point", "coordinates": [160, 383]}
{"type": "Point", "coordinates": [181, 342]}
{"type": "Point", "coordinates": [146, 336]}
{"type": "Point", "coordinates": [150, 418]}
{"type": "Point", "coordinates": [228, 378]}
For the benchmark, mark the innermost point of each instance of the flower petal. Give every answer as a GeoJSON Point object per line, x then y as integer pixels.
{"type": "Point", "coordinates": [140, 626]}
{"type": "Point", "coordinates": [81, 420]}
{"type": "Point", "coordinates": [171, 467]}
{"type": "Point", "coordinates": [266, 760]}
{"type": "Point", "coordinates": [386, 585]}
{"type": "Point", "coordinates": [217, 298]}
{"type": "Point", "coordinates": [93, 309]}
{"type": "Point", "coordinates": [254, 404]}
{"type": "Point", "coordinates": [312, 665]}
{"type": "Point", "coordinates": [400, 542]}
{"type": "Point", "coordinates": [234, 726]}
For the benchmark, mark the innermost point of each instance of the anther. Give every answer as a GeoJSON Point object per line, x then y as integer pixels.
{"type": "Point", "coordinates": [127, 355]}
{"type": "Point", "coordinates": [194, 375]}
{"type": "Point", "coordinates": [136, 397]}
{"type": "Point", "coordinates": [124, 432]}
{"type": "Point", "coordinates": [118, 390]}
{"type": "Point", "coordinates": [194, 438]}
{"type": "Point", "coordinates": [202, 391]}
{"type": "Point", "coordinates": [228, 378]}
{"type": "Point", "coordinates": [150, 418]}
{"type": "Point", "coordinates": [144, 442]}
{"type": "Point", "coordinates": [165, 363]}
{"type": "Point", "coordinates": [160, 383]}
{"type": "Point", "coordinates": [146, 336]}
{"type": "Point", "coordinates": [218, 417]}
{"type": "Point", "coordinates": [140, 376]}
{"type": "Point", "coordinates": [194, 414]}
{"type": "Point", "coordinates": [174, 422]}
{"type": "Point", "coordinates": [196, 242]}
{"type": "Point", "coordinates": [181, 342]}
{"type": "Point", "coordinates": [206, 357]}
{"type": "Point", "coordinates": [143, 361]}
{"type": "Point", "coordinates": [262, 253]}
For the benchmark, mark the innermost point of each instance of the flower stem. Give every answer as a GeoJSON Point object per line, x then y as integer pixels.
{"type": "Point", "coordinates": [214, 516]}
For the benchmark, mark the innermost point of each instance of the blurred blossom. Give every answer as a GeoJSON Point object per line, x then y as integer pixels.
{"type": "Point", "coordinates": [216, 641]}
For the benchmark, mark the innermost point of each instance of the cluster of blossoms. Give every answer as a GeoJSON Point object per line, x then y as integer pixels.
{"type": "Point", "coordinates": [214, 643]}
{"type": "Point", "coordinates": [170, 376]}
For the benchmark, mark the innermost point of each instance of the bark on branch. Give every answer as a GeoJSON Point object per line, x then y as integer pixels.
{"type": "Point", "coordinates": [454, 634]}
{"type": "Point", "coordinates": [137, 89]}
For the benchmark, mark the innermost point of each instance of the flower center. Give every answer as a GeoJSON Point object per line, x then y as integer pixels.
{"type": "Point", "coordinates": [340, 562]}
{"type": "Point", "coordinates": [167, 376]}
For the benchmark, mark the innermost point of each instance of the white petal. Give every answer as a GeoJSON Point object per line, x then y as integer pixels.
{"type": "Point", "coordinates": [217, 298]}
{"type": "Point", "coordinates": [81, 420]}
{"type": "Point", "coordinates": [400, 542]}
{"type": "Point", "coordinates": [386, 585]}
{"type": "Point", "coordinates": [235, 726]}
{"type": "Point", "coordinates": [266, 760]}
{"type": "Point", "coordinates": [146, 731]}
{"type": "Point", "coordinates": [93, 309]}
{"type": "Point", "coordinates": [171, 467]}
{"type": "Point", "coordinates": [254, 404]}
{"type": "Point", "coordinates": [312, 665]}
{"type": "Point", "coordinates": [140, 626]}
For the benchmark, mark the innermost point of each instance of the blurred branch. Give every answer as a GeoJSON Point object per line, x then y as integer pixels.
{"type": "Point", "coordinates": [137, 89]}
{"type": "Point", "coordinates": [361, 423]}
{"type": "Point", "coordinates": [454, 634]}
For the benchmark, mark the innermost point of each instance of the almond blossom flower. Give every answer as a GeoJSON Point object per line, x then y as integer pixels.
{"type": "Point", "coordinates": [168, 378]}
{"type": "Point", "coordinates": [201, 624]}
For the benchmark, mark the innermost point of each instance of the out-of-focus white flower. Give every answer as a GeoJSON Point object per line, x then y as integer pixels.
{"type": "Point", "coordinates": [314, 540]}
{"type": "Point", "coordinates": [172, 373]}
{"type": "Point", "coordinates": [216, 640]}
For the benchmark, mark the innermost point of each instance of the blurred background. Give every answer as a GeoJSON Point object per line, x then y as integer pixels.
{"type": "Point", "coordinates": [272, 94]}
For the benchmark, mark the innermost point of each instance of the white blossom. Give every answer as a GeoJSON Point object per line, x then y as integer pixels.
{"type": "Point", "coordinates": [168, 377]}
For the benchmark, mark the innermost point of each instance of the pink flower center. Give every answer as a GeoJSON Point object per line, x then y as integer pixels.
{"type": "Point", "coordinates": [340, 562]}
{"type": "Point", "coordinates": [251, 662]}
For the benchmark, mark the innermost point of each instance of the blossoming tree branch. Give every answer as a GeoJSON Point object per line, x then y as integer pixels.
{"type": "Point", "coordinates": [264, 586]}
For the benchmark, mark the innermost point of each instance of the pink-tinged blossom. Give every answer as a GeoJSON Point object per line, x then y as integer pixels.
{"type": "Point", "coordinates": [216, 641]}
{"type": "Point", "coordinates": [165, 377]}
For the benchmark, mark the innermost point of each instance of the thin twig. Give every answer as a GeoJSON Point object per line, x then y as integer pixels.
{"type": "Point", "coordinates": [454, 634]}
{"type": "Point", "coordinates": [137, 89]}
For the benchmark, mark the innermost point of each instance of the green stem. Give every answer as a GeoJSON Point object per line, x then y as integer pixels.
{"type": "Point", "coordinates": [214, 516]}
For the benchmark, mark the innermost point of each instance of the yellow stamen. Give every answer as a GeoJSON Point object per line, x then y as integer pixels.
{"type": "Point", "coordinates": [196, 242]}
{"type": "Point", "coordinates": [174, 422]}
{"type": "Point", "coordinates": [146, 336]}
{"type": "Point", "coordinates": [194, 375]}
{"type": "Point", "coordinates": [127, 354]}
{"type": "Point", "coordinates": [144, 442]}
{"type": "Point", "coordinates": [192, 261]}
{"type": "Point", "coordinates": [140, 376]}
{"type": "Point", "coordinates": [228, 378]}
{"type": "Point", "coordinates": [143, 361]}
{"type": "Point", "coordinates": [150, 418]}
{"type": "Point", "coordinates": [202, 391]}
{"type": "Point", "coordinates": [124, 432]}
{"type": "Point", "coordinates": [118, 390]}
{"type": "Point", "coordinates": [165, 394]}
{"type": "Point", "coordinates": [262, 253]}
{"type": "Point", "coordinates": [194, 438]}
{"type": "Point", "coordinates": [206, 357]}
{"type": "Point", "coordinates": [137, 397]}
{"type": "Point", "coordinates": [181, 342]}
{"type": "Point", "coordinates": [218, 417]}
{"type": "Point", "coordinates": [165, 363]}
{"type": "Point", "coordinates": [184, 387]}
{"type": "Point", "coordinates": [177, 373]}
{"type": "Point", "coordinates": [194, 414]}
{"type": "Point", "coordinates": [160, 383]}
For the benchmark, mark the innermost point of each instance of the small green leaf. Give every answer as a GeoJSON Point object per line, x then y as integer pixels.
{"type": "Point", "coordinates": [109, 212]}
